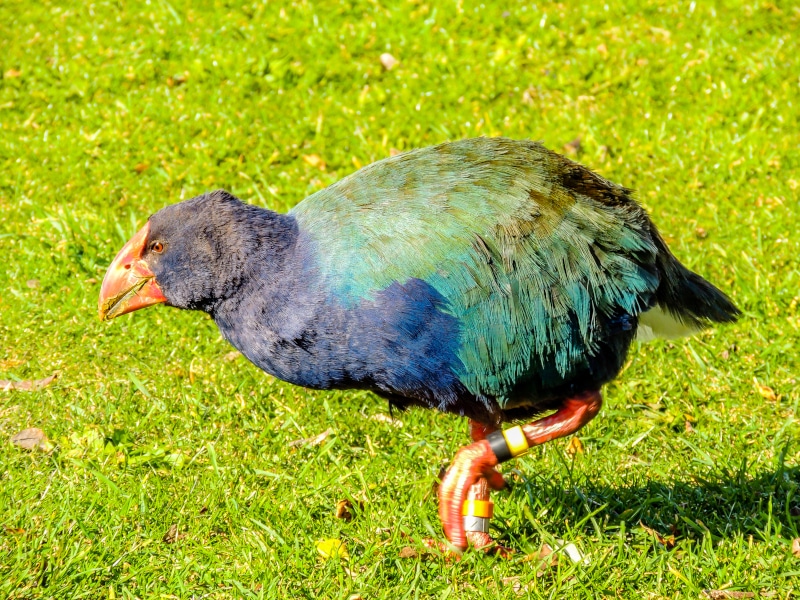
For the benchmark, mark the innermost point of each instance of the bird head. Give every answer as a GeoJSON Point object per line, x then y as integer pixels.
{"type": "Point", "coordinates": [187, 255]}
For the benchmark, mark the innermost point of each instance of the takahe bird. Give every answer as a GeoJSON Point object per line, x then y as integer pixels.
{"type": "Point", "coordinates": [490, 278]}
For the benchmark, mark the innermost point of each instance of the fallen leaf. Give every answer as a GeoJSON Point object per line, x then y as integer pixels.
{"type": "Point", "coordinates": [388, 61]}
{"type": "Point", "coordinates": [141, 168]}
{"type": "Point", "coordinates": [12, 73]}
{"type": "Point", "coordinates": [344, 510]}
{"type": "Point", "coordinates": [687, 427]}
{"type": "Point", "coordinates": [10, 363]}
{"type": "Point", "coordinates": [13, 530]}
{"type": "Point", "coordinates": [545, 558]}
{"type": "Point", "coordinates": [394, 151]}
{"type": "Point", "coordinates": [315, 160]}
{"type": "Point", "coordinates": [574, 147]}
{"type": "Point", "coordinates": [602, 50]}
{"type": "Point", "coordinates": [29, 385]}
{"type": "Point", "coordinates": [32, 283]}
{"type": "Point", "coordinates": [574, 447]}
{"type": "Point", "coordinates": [721, 594]}
{"type": "Point", "coordinates": [408, 552]}
{"type": "Point", "coordinates": [172, 535]}
{"type": "Point", "coordinates": [668, 542]}
{"type": "Point", "coordinates": [177, 80]}
{"type": "Point", "coordinates": [32, 439]}
{"type": "Point", "coordinates": [312, 441]}
{"type": "Point", "coordinates": [765, 391]}
{"type": "Point", "coordinates": [382, 418]}
{"type": "Point", "coordinates": [232, 356]}
{"type": "Point", "coordinates": [515, 584]}
{"type": "Point", "coordinates": [332, 548]}
{"type": "Point", "coordinates": [571, 550]}
{"type": "Point", "coordinates": [796, 547]}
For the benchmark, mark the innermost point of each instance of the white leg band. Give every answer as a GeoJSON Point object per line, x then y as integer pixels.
{"type": "Point", "coordinates": [476, 524]}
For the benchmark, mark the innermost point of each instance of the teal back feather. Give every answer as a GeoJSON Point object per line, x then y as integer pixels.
{"type": "Point", "coordinates": [533, 252]}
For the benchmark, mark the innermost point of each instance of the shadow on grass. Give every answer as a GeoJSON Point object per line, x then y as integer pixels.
{"type": "Point", "coordinates": [722, 505]}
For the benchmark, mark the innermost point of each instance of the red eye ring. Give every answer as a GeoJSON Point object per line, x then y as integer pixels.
{"type": "Point", "coordinates": [157, 247]}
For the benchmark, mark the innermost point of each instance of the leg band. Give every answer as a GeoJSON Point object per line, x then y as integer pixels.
{"type": "Point", "coordinates": [476, 524]}
{"type": "Point", "coordinates": [508, 444]}
{"type": "Point", "coordinates": [477, 514]}
{"type": "Point", "coordinates": [478, 508]}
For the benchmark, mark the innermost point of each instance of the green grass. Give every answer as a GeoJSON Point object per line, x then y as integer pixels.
{"type": "Point", "coordinates": [111, 110]}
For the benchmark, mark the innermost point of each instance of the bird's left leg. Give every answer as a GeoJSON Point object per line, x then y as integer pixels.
{"type": "Point", "coordinates": [480, 458]}
{"type": "Point", "coordinates": [478, 508]}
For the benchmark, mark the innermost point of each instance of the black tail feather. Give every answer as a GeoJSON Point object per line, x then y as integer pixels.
{"type": "Point", "coordinates": [688, 296]}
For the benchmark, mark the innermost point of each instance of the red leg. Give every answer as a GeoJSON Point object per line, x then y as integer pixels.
{"type": "Point", "coordinates": [477, 460]}
{"type": "Point", "coordinates": [480, 490]}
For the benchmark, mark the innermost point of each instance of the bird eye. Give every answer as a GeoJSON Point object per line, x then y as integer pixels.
{"type": "Point", "coordinates": [157, 247]}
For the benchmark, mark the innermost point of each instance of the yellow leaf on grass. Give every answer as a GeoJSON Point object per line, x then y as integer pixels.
{"type": "Point", "coordinates": [315, 160]}
{"type": "Point", "coordinates": [332, 548]}
{"type": "Point", "coordinates": [765, 391]}
{"type": "Point", "coordinates": [574, 447]}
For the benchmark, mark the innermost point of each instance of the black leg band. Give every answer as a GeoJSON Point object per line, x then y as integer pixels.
{"type": "Point", "coordinates": [499, 445]}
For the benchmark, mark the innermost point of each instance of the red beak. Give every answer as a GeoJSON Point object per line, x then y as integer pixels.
{"type": "Point", "coordinates": [129, 283]}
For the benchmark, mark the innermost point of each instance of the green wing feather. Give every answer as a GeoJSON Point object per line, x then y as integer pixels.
{"type": "Point", "coordinates": [531, 250]}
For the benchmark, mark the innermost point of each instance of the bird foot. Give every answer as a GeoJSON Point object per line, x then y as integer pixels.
{"type": "Point", "coordinates": [470, 477]}
{"type": "Point", "coordinates": [477, 539]}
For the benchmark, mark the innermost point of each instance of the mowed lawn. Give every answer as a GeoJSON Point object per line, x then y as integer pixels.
{"type": "Point", "coordinates": [179, 470]}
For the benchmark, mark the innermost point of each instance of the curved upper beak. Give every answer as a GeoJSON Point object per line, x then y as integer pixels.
{"type": "Point", "coordinates": [129, 283]}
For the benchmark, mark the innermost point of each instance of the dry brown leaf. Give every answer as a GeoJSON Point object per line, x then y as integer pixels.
{"type": "Point", "coordinates": [545, 559]}
{"type": "Point", "coordinates": [172, 534]}
{"type": "Point", "coordinates": [721, 594]}
{"type": "Point", "coordinates": [29, 385]}
{"type": "Point", "coordinates": [312, 441]}
{"type": "Point", "coordinates": [177, 80]}
{"type": "Point", "coordinates": [765, 391]}
{"type": "Point", "coordinates": [141, 168]}
{"type": "Point", "coordinates": [796, 547]}
{"type": "Point", "coordinates": [12, 73]}
{"type": "Point", "coordinates": [232, 356]}
{"type": "Point", "coordinates": [574, 447]}
{"type": "Point", "coordinates": [32, 439]}
{"type": "Point", "coordinates": [573, 148]}
{"type": "Point", "coordinates": [13, 530]}
{"type": "Point", "coordinates": [408, 552]}
{"type": "Point", "coordinates": [515, 583]}
{"type": "Point", "coordinates": [388, 61]}
{"type": "Point", "coordinates": [32, 283]}
{"type": "Point", "coordinates": [668, 542]}
{"type": "Point", "coordinates": [344, 510]}
{"type": "Point", "coordinates": [315, 160]}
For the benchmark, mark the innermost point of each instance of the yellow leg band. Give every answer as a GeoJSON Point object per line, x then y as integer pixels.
{"type": "Point", "coordinates": [478, 508]}
{"type": "Point", "coordinates": [516, 440]}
